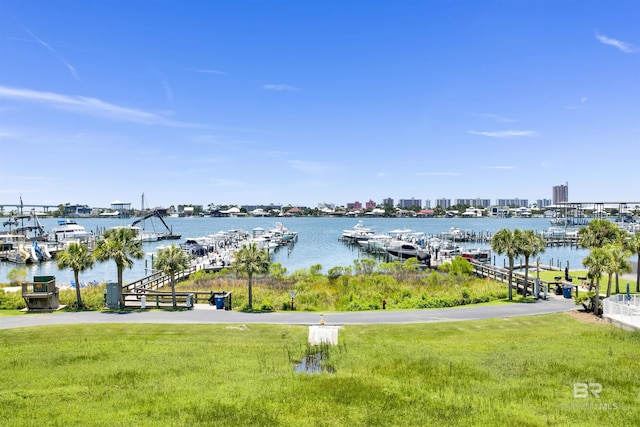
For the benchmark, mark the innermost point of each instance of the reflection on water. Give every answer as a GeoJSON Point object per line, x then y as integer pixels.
{"type": "Point", "coordinates": [314, 363]}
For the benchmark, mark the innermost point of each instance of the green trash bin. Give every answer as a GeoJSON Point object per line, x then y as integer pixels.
{"type": "Point", "coordinates": [566, 291]}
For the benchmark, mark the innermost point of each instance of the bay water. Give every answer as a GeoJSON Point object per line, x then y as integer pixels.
{"type": "Point", "coordinates": [318, 241]}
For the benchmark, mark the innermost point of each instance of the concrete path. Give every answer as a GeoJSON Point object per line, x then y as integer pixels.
{"type": "Point", "coordinates": [205, 314]}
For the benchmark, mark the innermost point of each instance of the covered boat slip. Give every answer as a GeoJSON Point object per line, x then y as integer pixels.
{"type": "Point", "coordinates": [41, 294]}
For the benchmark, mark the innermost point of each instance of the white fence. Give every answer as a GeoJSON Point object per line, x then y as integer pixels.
{"type": "Point", "coordinates": [623, 308]}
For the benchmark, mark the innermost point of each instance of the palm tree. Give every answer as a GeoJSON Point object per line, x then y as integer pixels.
{"type": "Point", "coordinates": [120, 245]}
{"type": "Point", "coordinates": [532, 245]}
{"type": "Point", "coordinates": [596, 263]}
{"type": "Point", "coordinates": [77, 257]}
{"type": "Point", "coordinates": [598, 233]}
{"type": "Point", "coordinates": [617, 263]}
{"type": "Point", "coordinates": [632, 244]}
{"type": "Point", "coordinates": [251, 260]}
{"type": "Point", "coordinates": [172, 260]}
{"type": "Point", "coordinates": [509, 243]}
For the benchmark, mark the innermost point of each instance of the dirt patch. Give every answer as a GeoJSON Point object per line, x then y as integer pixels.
{"type": "Point", "coordinates": [587, 317]}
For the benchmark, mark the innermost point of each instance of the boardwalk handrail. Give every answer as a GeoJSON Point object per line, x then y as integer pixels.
{"type": "Point", "coordinates": [501, 274]}
{"type": "Point", "coordinates": [156, 280]}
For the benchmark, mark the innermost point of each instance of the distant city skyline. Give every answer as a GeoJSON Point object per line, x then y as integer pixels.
{"type": "Point", "coordinates": [560, 192]}
{"type": "Point", "coordinates": [303, 102]}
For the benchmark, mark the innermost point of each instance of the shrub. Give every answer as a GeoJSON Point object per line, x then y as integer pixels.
{"type": "Point", "coordinates": [266, 306]}
{"type": "Point", "coordinates": [11, 300]}
{"type": "Point", "coordinates": [315, 269]}
{"type": "Point", "coordinates": [17, 277]}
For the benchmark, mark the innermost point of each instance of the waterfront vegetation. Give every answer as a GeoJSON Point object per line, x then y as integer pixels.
{"type": "Point", "coordinates": [362, 286]}
{"type": "Point", "coordinates": [92, 298]}
{"type": "Point", "coordinates": [517, 371]}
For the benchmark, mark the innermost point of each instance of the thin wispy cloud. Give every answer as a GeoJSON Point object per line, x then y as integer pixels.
{"type": "Point", "coordinates": [545, 164]}
{"type": "Point", "coordinates": [620, 45]}
{"type": "Point", "coordinates": [498, 118]}
{"type": "Point", "coordinates": [227, 183]}
{"type": "Point", "coordinates": [279, 87]}
{"type": "Point", "coordinates": [499, 167]}
{"type": "Point", "coordinates": [278, 154]}
{"type": "Point", "coordinates": [38, 40]}
{"type": "Point", "coordinates": [210, 160]}
{"type": "Point", "coordinates": [504, 133]}
{"type": "Point", "coordinates": [89, 106]}
{"type": "Point", "coordinates": [209, 71]}
{"type": "Point", "coordinates": [311, 168]}
{"type": "Point", "coordinates": [438, 174]}
{"type": "Point", "coordinates": [583, 101]}
{"type": "Point", "coordinates": [167, 91]}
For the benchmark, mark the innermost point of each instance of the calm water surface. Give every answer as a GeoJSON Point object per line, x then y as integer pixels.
{"type": "Point", "coordinates": [318, 241]}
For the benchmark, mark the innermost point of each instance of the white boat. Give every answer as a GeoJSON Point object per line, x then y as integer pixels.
{"type": "Point", "coordinates": [376, 243]}
{"type": "Point", "coordinates": [405, 250]}
{"type": "Point", "coordinates": [358, 232]}
{"type": "Point", "coordinates": [68, 230]}
{"type": "Point", "coordinates": [10, 240]}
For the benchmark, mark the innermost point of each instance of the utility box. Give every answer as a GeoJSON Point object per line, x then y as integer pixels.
{"type": "Point", "coordinates": [112, 297]}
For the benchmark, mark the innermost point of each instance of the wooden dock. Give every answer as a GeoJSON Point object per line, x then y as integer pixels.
{"type": "Point", "coordinates": [501, 274]}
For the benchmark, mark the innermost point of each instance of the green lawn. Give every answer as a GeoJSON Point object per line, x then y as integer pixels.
{"type": "Point", "coordinates": [4, 312]}
{"type": "Point", "coordinates": [550, 275]}
{"type": "Point", "coordinates": [518, 371]}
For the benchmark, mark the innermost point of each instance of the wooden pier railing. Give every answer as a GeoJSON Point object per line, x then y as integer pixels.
{"type": "Point", "coordinates": [156, 281]}
{"type": "Point", "coordinates": [501, 274]}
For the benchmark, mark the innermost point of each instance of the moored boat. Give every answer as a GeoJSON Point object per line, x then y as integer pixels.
{"type": "Point", "coordinates": [477, 255]}
{"type": "Point", "coordinates": [68, 230]}
{"type": "Point", "coordinates": [406, 250]}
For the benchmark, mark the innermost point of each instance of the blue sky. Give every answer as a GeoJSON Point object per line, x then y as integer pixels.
{"type": "Point", "coordinates": [302, 102]}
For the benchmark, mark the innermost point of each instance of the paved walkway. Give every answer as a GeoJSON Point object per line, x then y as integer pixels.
{"type": "Point", "coordinates": [205, 314]}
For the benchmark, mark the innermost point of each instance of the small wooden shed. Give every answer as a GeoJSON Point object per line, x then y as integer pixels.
{"type": "Point", "coordinates": [41, 294]}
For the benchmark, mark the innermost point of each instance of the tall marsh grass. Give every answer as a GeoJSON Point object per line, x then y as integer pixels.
{"type": "Point", "coordinates": [400, 289]}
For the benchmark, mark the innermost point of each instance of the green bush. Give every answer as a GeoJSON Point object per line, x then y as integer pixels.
{"type": "Point", "coordinates": [266, 306]}
{"type": "Point", "coordinates": [11, 300]}
{"type": "Point", "coordinates": [402, 288]}
{"type": "Point", "coordinates": [92, 297]}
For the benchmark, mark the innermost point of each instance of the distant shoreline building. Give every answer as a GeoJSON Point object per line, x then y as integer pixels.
{"type": "Point", "coordinates": [476, 203]}
{"type": "Point", "coordinates": [443, 203]}
{"type": "Point", "coordinates": [410, 203]}
{"type": "Point", "coordinates": [518, 203]}
{"type": "Point", "coordinates": [354, 205]}
{"type": "Point", "coordinates": [560, 193]}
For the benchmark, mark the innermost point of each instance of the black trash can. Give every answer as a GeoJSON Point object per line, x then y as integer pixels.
{"type": "Point", "coordinates": [566, 291]}
{"type": "Point", "coordinates": [219, 302]}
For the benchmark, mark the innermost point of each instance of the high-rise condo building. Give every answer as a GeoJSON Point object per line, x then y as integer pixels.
{"type": "Point", "coordinates": [560, 193]}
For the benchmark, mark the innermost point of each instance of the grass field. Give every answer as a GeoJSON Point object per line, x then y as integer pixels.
{"type": "Point", "coordinates": [495, 372]}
